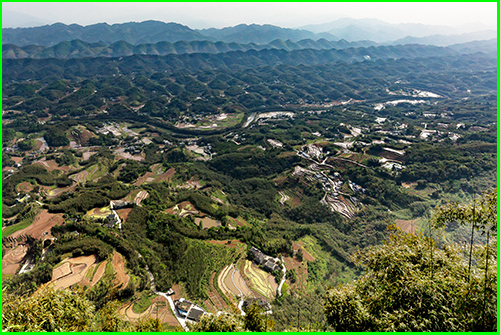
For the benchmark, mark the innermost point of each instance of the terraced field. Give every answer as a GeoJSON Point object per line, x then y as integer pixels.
{"type": "Point", "coordinates": [262, 282]}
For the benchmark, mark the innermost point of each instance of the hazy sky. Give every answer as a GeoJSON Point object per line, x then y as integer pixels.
{"type": "Point", "coordinates": [204, 15]}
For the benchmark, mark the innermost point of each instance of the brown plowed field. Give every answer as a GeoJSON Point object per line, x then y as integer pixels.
{"type": "Point", "coordinates": [88, 154]}
{"type": "Point", "coordinates": [12, 258]}
{"type": "Point", "coordinates": [51, 165]}
{"type": "Point", "coordinates": [42, 223]}
{"type": "Point", "coordinates": [17, 159]}
{"type": "Point", "coordinates": [167, 175]}
{"type": "Point", "coordinates": [122, 278]}
{"type": "Point", "coordinates": [24, 187]}
{"type": "Point", "coordinates": [72, 271]}
{"type": "Point", "coordinates": [300, 245]}
{"type": "Point", "coordinates": [408, 226]}
{"type": "Point", "coordinates": [123, 213]}
{"type": "Point", "coordinates": [300, 269]}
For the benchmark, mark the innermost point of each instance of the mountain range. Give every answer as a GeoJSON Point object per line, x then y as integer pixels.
{"type": "Point", "coordinates": [151, 32]}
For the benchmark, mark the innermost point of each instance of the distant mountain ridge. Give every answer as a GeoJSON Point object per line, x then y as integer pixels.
{"type": "Point", "coordinates": [261, 34]}
{"type": "Point", "coordinates": [80, 49]}
{"type": "Point", "coordinates": [132, 32]}
{"type": "Point", "coordinates": [383, 32]}
{"type": "Point", "coordinates": [151, 32]}
{"type": "Point", "coordinates": [445, 40]}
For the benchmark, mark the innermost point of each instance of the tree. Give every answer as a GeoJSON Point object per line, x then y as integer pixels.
{"type": "Point", "coordinates": [411, 285]}
{"type": "Point", "coordinates": [148, 325]}
{"type": "Point", "coordinates": [218, 323]}
{"type": "Point", "coordinates": [256, 320]}
{"type": "Point", "coordinates": [47, 310]}
{"type": "Point", "coordinates": [300, 254]}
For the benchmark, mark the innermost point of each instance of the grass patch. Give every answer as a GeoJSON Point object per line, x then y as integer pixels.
{"type": "Point", "coordinates": [219, 195]}
{"type": "Point", "coordinates": [143, 303]}
{"type": "Point", "coordinates": [16, 227]}
{"type": "Point", "coordinates": [109, 272]}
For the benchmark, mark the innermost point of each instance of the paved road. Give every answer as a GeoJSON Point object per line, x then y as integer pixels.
{"type": "Point", "coordinates": [283, 278]}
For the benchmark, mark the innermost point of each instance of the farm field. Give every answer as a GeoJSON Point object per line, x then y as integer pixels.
{"type": "Point", "coordinates": [42, 223]}
{"type": "Point", "coordinates": [262, 282]}
{"type": "Point", "coordinates": [207, 222]}
{"type": "Point", "coordinates": [408, 226]}
{"type": "Point", "coordinates": [232, 284]}
{"type": "Point", "coordinates": [122, 278]}
{"type": "Point", "coordinates": [12, 259]}
{"type": "Point", "coordinates": [99, 213]}
{"type": "Point", "coordinates": [72, 271]}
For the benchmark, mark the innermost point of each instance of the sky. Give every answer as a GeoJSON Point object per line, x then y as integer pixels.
{"type": "Point", "coordinates": [198, 15]}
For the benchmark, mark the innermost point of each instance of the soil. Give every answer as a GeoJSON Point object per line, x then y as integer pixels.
{"type": "Point", "coordinates": [166, 176]}
{"type": "Point", "coordinates": [12, 259]}
{"type": "Point", "coordinates": [16, 159]}
{"type": "Point", "coordinates": [42, 224]}
{"type": "Point", "coordinates": [72, 271]}
{"type": "Point", "coordinates": [25, 187]}
{"type": "Point", "coordinates": [299, 245]}
{"type": "Point", "coordinates": [295, 201]}
{"type": "Point", "coordinates": [87, 154]}
{"type": "Point", "coordinates": [408, 226]}
{"type": "Point", "coordinates": [300, 269]}
{"type": "Point", "coordinates": [123, 213]}
{"type": "Point", "coordinates": [122, 278]}
{"type": "Point", "coordinates": [51, 165]}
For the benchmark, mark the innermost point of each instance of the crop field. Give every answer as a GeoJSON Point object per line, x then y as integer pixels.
{"type": "Point", "coordinates": [96, 172]}
{"type": "Point", "coordinates": [99, 212]}
{"type": "Point", "coordinates": [232, 283]}
{"type": "Point", "coordinates": [140, 196]}
{"type": "Point", "coordinates": [239, 221]}
{"type": "Point", "coordinates": [35, 227]}
{"type": "Point", "coordinates": [408, 226]}
{"type": "Point", "coordinates": [262, 282]}
{"type": "Point", "coordinates": [207, 222]}
{"type": "Point", "coordinates": [79, 177]}
{"type": "Point", "coordinates": [122, 278]}
{"type": "Point", "coordinates": [131, 196]}
{"type": "Point", "coordinates": [72, 271]}
{"type": "Point", "coordinates": [12, 259]}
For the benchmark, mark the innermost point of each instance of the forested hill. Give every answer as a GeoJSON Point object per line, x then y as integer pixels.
{"type": "Point", "coordinates": [23, 69]}
{"type": "Point", "coordinates": [79, 48]}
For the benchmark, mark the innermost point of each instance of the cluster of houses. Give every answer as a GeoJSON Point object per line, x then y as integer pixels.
{"type": "Point", "coordinates": [268, 263]}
